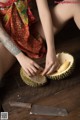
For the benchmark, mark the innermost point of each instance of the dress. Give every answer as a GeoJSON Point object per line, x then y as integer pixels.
{"type": "Point", "coordinates": [17, 19]}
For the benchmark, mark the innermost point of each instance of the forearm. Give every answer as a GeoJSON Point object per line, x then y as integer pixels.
{"type": "Point", "coordinates": [6, 41]}
{"type": "Point", "coordinates": [46, 21]}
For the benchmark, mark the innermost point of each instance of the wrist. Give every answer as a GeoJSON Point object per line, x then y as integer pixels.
{"type": "Point", "coordinates": [51, 51]}
{"type": "Point", "coordinates": [50, 45]}
{"type": "Point", "coordinates": [19, 55]}
{"type": "Point", "coordinates": [50, 48]}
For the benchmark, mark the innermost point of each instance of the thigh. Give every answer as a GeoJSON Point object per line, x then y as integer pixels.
{"type": "Point", "coordinates": [60, 14]}
{"type": "Point", "coordinates": [6, 60]}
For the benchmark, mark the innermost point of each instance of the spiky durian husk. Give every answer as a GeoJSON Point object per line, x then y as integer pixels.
{"type": "Point", "coordinates": [29, 81]}
{"type": "Point", "coordinates": [61, 76]}
{"type": "Point", "coordinates": [65, 73]}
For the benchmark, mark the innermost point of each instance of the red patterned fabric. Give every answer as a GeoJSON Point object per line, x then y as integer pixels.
{"type": "Point", "coordinates": [17, 19]}
{"type": "Point", "coordinates": [8, 3]}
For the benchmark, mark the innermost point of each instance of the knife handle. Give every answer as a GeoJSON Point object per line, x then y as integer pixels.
{"type": "Point", "coordinates": [20, 104]}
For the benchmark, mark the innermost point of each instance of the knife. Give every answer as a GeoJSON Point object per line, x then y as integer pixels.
{"type": "Point", "coordinates": [40, 109]}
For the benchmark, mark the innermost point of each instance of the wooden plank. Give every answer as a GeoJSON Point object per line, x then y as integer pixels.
{"type": "Point", "coordinates": [68, 98]}
{"type": "Point", "coordinates": [16, 90]}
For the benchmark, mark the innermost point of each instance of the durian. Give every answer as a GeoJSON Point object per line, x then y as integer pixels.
{"type": "Point", "coordinates": [63, 66]}
{"type": "Point", "coordinates": [66, 61]}
{"type": "Point", "coordinates": [34, 81]}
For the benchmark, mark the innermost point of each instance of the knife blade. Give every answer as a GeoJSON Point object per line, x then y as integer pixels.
{"type": "Point", "coordinates": [40, 109]}
{"type": "Point", "coordinates": [48, 110]}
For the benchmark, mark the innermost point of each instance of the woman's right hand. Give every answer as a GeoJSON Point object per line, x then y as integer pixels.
{"type": "Point", "coordinates": [30, 67]}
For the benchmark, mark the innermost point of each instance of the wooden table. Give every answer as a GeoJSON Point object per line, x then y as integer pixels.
{"type": "Point", "coordinates": [64, 93]}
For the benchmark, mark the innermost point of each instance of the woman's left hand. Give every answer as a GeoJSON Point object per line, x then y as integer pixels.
{"type": "Point", "coordinates": [51, 63]}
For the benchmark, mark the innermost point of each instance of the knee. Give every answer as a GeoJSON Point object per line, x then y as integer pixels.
{"type": "Point", "coordinates": [77, 13]}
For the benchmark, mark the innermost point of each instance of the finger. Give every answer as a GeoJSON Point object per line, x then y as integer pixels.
{"type": "Point", "coordinates": [46, 69]}
{"type": "Point", "coordinates": [28, 72]}
{"type": "Point", "coordinates": [52, 69]}
{"type": "Point", "coordinates": [34, 69]}
{"type": "Point", "coordinates": [31, 72]}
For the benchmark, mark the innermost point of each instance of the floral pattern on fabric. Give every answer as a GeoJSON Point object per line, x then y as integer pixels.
{"type": "Point", "coordinates": [17, 19]}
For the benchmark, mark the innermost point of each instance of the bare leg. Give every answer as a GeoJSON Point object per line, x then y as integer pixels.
{"type": "Point", "coordinates": [61, 13]}
{"type": "Point", "coordinates": [6, 60]}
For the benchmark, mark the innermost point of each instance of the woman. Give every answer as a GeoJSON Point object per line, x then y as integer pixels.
{"type": "Point", "coordinates": [26, 50]}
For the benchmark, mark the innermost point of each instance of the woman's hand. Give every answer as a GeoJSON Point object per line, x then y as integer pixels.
{"type": "Point", "coordinates": [51, 64]}
{"type": "Point", "coordinates": [30, 67]}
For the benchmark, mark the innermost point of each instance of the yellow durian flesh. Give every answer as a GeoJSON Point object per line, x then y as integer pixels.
{"type": "Point", "coordinates": [66, 61]}
{"type": "Point", "coordinates": [63, 67]}
{"type": "Point", "coordinates": [33, 81]}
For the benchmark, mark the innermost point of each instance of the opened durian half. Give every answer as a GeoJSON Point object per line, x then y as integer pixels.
{"type": "Point", "coordinates": [66, 62]}
{"type": "Point", "coordinates": [33, 81]}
